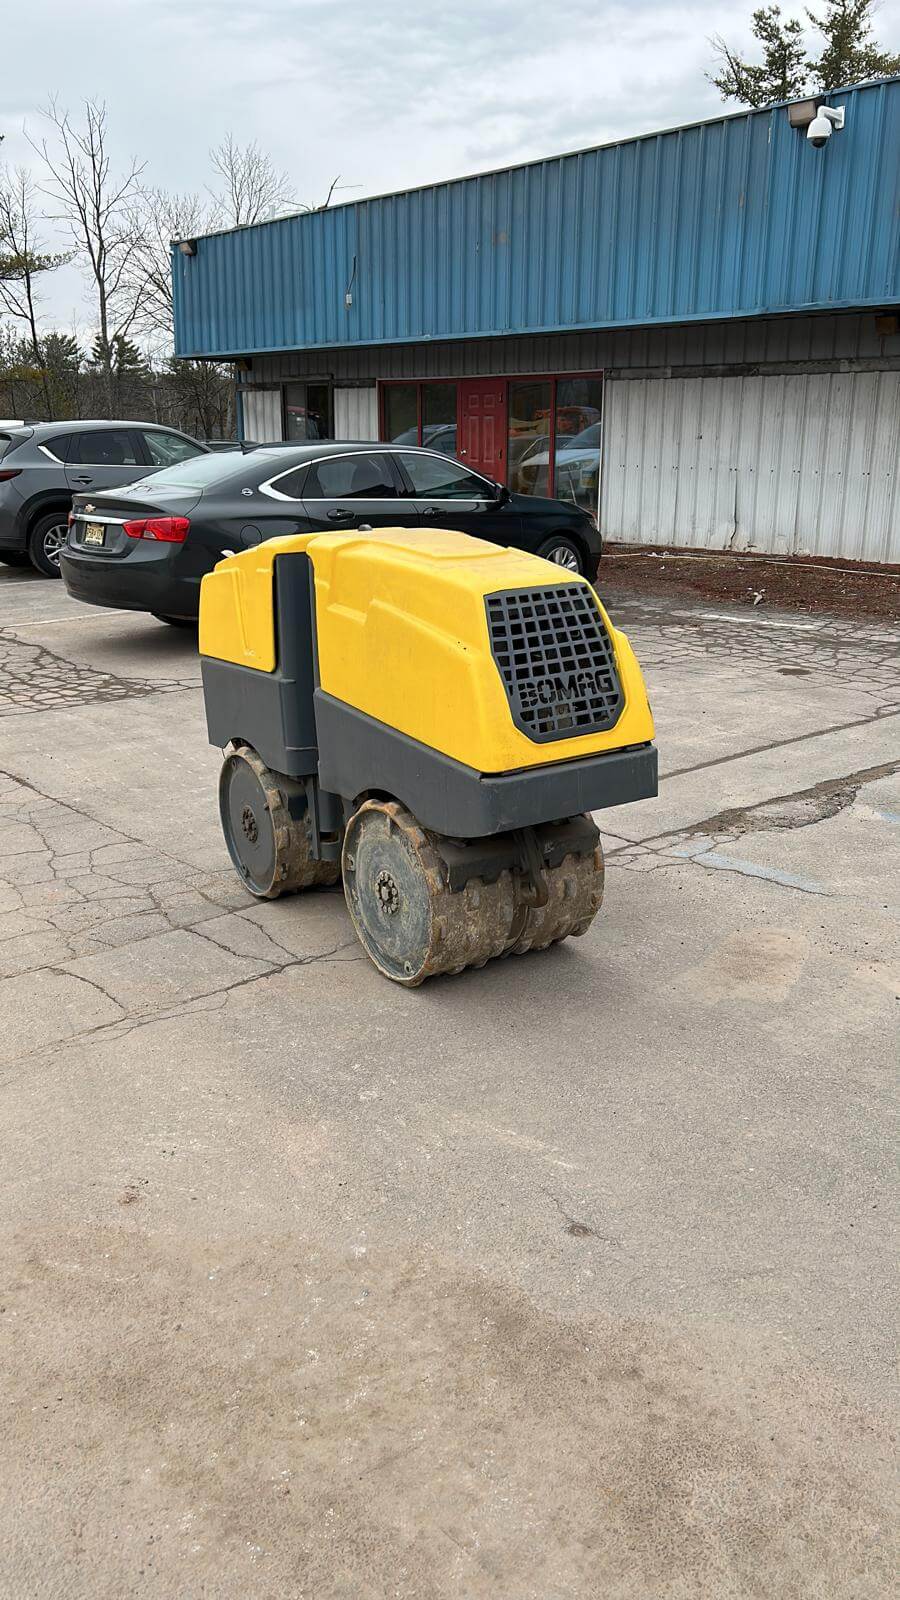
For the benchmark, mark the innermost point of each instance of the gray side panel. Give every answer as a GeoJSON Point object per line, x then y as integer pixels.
{"type": "Point", "coordinates": [261, 709]}
{"type": "Point", "coordinates": [763, 343]}
{"type": "Point", "coordinates": [361, 756]}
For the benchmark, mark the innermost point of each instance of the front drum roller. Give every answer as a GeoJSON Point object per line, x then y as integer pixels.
{"type": "Point", "coordinates": [270, 848]}
{"type": "Point", "coordinates": [413, 926]}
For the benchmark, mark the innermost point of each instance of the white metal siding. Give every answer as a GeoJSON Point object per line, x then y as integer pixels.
{"type": "Point", "coordinates": [796, 464]}
{"type": "Point", "coordinates": [262, 414]}
{"type": "Point", "coordinates": [356, 413]}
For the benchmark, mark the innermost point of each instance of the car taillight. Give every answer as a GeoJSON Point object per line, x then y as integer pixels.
{"type": "Point", "coordinates": [9, 472]}
{"type": "Point", "coordinates": [170, 530]}
{"type": "Point", "coordinates": [71, 518]}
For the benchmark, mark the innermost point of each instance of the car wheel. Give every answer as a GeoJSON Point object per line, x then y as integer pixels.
{"type": "Point", "coordinates": [45, 541]}
{"type": "Point", "coordinates": [564, 552]}
{"type": "Point", "coordinates": [14, 558]}
{"type": "Point", "coordinates": [175, 622]}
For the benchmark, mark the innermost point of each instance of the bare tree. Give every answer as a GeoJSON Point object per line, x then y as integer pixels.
{"type": "Point", "coordinates": [333, 188]}
{"type": "Point", "coordinates": [95, 205]}
{"type": "Point", "coordinates": [159, 218]}
{"type": "Point", "coordinates": [200, 390]}
{"type": "Point", "coordinates": [253, 190]}
{"type": "Point", "coordinates": [22, 261]}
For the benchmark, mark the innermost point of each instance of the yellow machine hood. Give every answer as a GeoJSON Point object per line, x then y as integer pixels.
{"type": "Point", "coordinates": [403, 635]}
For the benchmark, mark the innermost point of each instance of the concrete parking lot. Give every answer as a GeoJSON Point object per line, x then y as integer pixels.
{"type": "Point", "coordinates": [570, 1277]}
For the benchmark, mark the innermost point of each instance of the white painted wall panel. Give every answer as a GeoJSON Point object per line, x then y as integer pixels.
{"type": "Point", "coordinates": [262, 415]}
{"type": "Point", "coordinates": [356, 413]}
{"type": "Point", "coordinates": [793, 464]}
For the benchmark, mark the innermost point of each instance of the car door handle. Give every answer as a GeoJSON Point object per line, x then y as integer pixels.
{"type": "Point", "coordinates": [429, 511]}
{"type": "Point", "coordinates": [338, 516]}
{"type": "Point", "coordinates": [82, 477]}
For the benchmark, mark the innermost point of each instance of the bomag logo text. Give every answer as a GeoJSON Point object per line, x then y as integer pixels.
{"type": "Point", "coordinates": [561, 689]}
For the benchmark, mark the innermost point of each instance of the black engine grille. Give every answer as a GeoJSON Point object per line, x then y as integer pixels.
{"type": "Point", "coordinates": [556, 661]}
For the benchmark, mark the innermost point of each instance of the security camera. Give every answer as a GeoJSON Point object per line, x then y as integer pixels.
{"type": "Point", "coordinates": [826, 118]}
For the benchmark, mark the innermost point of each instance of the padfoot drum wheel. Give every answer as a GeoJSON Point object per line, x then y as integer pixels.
{"type": "Point", "coordinates": [271, 850]}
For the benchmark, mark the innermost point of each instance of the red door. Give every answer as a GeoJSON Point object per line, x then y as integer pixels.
{"type": "Point", "coordinates": [482, 425]}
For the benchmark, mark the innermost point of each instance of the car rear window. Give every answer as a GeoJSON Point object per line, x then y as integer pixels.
{"type": "Point", "coordinates": [169, 449]}
{"type": "Point", "coordinates": [202, 470]}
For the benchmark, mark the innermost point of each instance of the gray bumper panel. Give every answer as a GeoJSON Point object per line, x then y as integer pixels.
{"type": "Point", "coordinates": [358, 756]}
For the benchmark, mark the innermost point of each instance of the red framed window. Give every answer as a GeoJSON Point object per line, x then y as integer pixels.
{"type": "Point", "coordinates": [552, 429]}
{"type": "Point", "coordinates": [420, 413]}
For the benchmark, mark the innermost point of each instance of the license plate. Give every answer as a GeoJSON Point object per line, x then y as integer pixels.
{"type": "Point", "coordinates": [94, 533]}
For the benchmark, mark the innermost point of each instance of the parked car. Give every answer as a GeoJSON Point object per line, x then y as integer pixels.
{"type": "Point", "coordinates": [42, 464]}
{"type": "Point", "coordinates": [147, 546]}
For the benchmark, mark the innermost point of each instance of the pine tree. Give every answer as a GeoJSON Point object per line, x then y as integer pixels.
{"type": "Point", "coordinates": [783, 72]}
{"type": "Point", "coordinates": [850, 55]}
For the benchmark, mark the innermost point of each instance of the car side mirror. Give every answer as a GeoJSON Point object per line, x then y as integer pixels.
{"type": "Point", "coordinates": [503, 494]}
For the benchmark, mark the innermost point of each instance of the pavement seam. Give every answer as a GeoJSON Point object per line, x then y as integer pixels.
{"type": "Point", "coordinates": [880, 715]}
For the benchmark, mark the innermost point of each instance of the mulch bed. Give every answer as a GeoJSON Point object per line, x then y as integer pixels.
{"type": "Point", "coordinates": [843, 589]}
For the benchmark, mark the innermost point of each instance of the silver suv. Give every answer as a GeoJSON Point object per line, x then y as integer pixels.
{"type": "Point", "coordinates": [42, 464]}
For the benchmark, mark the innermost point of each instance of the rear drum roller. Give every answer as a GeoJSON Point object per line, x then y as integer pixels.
{"type": "Point", "coordinates": [271, 850]}
{"type": "Point", "coordinates": [413, 926]}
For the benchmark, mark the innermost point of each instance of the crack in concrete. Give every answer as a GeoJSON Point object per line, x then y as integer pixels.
{"type": "Point", "coordinates": [33, 678]}
{"type": "Point", "coordinates": [130, 1022]}
{"type": "Point", "coordinates": [67, 808]}
{"type": "Point", "coordinates": [61, 972]}
{"type": "Point", "coordinates": [712, 862]}
{"type": "Point", "coordinates": [799, 809]}
{"type": "Point", "coordinates": [63, 907]}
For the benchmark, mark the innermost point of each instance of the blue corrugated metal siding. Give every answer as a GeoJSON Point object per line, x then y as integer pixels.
{"type": "Point", "coordinates": [724, 219]}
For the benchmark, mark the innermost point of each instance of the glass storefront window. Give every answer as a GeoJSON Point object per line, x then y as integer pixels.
{"type": "Point", "coordinates": [578, 417]}
{"type": "Point", "coordinates": [434, 403]}
{"type": "Point", "coordinates": [439, 417]}
{"type": "Point", "coordinates": [553, 431]}
{"type": "Point", "coordinates": [401, 413]}
{"type": "Point", "coordinates": [306, 411]}
{"type": "Point", "coordinates": [530, 410]}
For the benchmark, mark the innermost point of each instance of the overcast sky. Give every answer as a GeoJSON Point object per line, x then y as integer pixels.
{"type": "Point", "coordinates": [386, 94]}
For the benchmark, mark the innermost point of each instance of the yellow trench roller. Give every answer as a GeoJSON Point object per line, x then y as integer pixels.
{"type": "Point", "coordinates": [429, 717]}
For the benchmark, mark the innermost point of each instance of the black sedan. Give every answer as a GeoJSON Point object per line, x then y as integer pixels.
{"type": "Point", "coordinates": [146, 546]}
